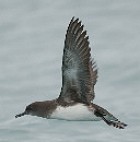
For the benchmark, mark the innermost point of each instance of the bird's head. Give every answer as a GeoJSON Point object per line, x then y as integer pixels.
{"type": "Point", "coordinates": [32, 109]}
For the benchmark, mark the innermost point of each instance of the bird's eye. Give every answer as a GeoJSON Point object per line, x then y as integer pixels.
{"type": "Point", "coordinates": [29, 108]}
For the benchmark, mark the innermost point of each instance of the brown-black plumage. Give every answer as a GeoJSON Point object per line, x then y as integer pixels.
{"type": "Point", "coordinates": [79, 72]}
{"type": "Point", "coordinates": [79, 76]}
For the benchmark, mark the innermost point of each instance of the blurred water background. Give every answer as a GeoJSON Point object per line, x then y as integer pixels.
{"type": "Point", "coordinates": [32, 35]}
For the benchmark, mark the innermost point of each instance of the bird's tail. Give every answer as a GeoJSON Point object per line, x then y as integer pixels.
{"type": "Point", "coordinates": [108, 117]}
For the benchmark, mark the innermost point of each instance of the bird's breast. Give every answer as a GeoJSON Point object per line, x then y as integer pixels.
{"type": "Point", "coordinates": [79, 112]}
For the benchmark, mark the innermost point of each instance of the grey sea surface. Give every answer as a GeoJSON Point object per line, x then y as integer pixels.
{"type": "Point", "coordinates": [32, 36]}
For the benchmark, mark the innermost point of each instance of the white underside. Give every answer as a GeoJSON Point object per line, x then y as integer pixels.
{"type": "Point", "coordinates": [77, 112]}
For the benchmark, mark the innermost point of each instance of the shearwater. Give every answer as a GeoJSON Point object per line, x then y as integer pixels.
{"type": "Point", "coordinates": [79, 75]}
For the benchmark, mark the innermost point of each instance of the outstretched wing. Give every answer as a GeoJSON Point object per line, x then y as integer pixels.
{"type": "Point", "coordinates": [79, 73]}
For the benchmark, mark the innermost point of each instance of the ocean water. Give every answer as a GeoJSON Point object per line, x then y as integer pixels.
{"type": "Point", "coordinates": [31, 42]}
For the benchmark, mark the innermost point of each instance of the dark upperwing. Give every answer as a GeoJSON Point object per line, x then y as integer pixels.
{"type": "Point", "coordinates": [79, 72]}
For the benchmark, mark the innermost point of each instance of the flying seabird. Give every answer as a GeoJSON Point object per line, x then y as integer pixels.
{"type": "Point", "coordinates": [79, 75]}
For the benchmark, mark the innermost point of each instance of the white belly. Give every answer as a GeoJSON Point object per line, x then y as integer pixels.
{"type": "Point", "coordinates": [76, 112]}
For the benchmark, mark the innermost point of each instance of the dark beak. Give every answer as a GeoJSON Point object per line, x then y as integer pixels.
{"type": "Point", "coordinates": [21, 114]}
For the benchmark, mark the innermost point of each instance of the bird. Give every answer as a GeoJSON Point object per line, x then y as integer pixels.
{"type": "Point", "coordinates": [79, 76]}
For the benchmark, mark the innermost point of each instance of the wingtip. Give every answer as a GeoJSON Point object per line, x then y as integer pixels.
{"type": "Point", "coordinates": [119, 124]}
{"type": "Point", "coordinates": [73, 19]}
